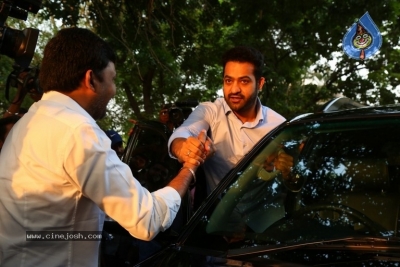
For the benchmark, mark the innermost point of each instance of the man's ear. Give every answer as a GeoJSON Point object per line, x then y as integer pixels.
{"type": "Point", "coordinates": [89, 80]}
{"type": "Point", "coordinates": [261, 83]}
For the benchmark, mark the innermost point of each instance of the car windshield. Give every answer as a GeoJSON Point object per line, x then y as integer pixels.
{"type": "Point", "coordinates": [344, 183]}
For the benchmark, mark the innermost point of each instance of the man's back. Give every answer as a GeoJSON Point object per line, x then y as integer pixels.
{"type": "Point", "coordinates": [32, 176]}
{"type": "Point", "coordinates": [58, 171]}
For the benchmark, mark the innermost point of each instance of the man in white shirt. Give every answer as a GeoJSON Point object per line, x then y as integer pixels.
{"type": "Point", "coordinates": [59, 175]}
{"type": "Point", "coordinates": [235, 123]}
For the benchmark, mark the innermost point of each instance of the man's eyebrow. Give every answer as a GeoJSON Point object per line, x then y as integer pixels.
{"type": "Point", "coordinates": [242, 77]}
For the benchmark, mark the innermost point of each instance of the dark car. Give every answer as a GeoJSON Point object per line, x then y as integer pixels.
{"type": "Point", "coordinates": [146, 153]}
{"type": "Point", "coordinates": [340, 206]}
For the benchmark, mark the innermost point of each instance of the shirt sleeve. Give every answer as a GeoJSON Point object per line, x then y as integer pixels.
{"type": "Point", "coordinates": [198, 120]}
{"type": "Point", "coordinates": [102, 177]}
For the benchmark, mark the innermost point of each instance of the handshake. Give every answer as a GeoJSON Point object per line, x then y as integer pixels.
{"type": "Point", "coordinates": [193, 151]}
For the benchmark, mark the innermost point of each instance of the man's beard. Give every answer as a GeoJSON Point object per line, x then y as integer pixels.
{"type": "Point", "coordinates": [98, 107]}
{"type": "Point", "coordinates": [249, 103]}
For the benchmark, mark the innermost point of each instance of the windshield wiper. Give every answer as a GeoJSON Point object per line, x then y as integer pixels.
{"type": "Point", "coordinates": [354, 243]}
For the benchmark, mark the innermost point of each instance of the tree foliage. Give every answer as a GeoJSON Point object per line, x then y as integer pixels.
{"type": "Point", "coordinates": [171, 50]}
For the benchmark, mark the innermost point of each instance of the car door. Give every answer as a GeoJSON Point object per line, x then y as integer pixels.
{"type": "Point", "coordinates": [344, 187]}
{"type": "Point", "coordinates": [146, 153]}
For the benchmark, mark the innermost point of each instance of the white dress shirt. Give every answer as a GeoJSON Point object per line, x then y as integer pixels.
{"type": "Point", "coordinates": [59, 173]}
{"type": "Point", "coordinates": [232, 138]}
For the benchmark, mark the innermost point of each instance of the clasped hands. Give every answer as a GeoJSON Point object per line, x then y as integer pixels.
{"type": "Point", "coordinates": [195, 150]}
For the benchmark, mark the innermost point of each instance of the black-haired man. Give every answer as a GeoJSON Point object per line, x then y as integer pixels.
{"type": "Point", "coordinates": [235, 122]}
{"type": "Point", "coordinates": [59, 173]}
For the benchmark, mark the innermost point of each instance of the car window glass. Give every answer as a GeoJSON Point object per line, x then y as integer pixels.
{"type": "Point", "coordinates": [344, 182]}
{"type": "Point", "coordinates": [148, 158]}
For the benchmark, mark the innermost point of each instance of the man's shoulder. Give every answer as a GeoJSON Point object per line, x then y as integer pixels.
{"type": "Point", "coordinates": [60, 121]}
{"type": "Point", "coordinates": [216, 102]}
{"type": "Point", "coordinates": [271, 114]}
{"type": "Point", "coordinates": [58, 107]}
{"type": "Point", "coordinates": [215, 105]}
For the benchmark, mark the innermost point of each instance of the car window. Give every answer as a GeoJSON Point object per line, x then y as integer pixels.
{"type": "Point", "coordinates": [345, 182]}
{"type": "Point", "coordinates": [148, 158]}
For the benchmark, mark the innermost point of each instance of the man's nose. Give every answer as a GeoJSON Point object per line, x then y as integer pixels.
{"type": "Point", "coordinates": [235, 87]}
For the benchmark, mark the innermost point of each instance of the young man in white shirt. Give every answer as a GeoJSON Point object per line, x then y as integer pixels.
{"type": "Point", "coordinates": [59, 175]}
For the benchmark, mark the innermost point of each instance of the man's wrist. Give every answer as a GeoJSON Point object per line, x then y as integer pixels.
{"type": "Point", "coordinates": [192, 172]}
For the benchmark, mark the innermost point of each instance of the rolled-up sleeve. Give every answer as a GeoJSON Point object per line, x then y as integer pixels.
{"type": "Point", "coordinates": [94, 168]}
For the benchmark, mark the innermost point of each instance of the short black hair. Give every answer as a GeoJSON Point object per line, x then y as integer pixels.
{"type": "Point", "coordinates": [6, 121]}
{"type": "Point", "coordinates": [245, 54]}
{"type": "Point", "coordinates": [68, 56]}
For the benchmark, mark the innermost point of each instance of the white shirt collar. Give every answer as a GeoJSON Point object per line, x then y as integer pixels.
{"type": "Point", "coordinates": [260, 114]}
{"type": "Point", "coordinates": [68, 102]}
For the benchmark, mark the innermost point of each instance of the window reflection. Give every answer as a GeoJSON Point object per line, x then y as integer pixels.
{"type": "Point", "coordinates": [347, 184]}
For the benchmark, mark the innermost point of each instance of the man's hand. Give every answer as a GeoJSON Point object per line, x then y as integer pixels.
{"type": "Point", "coordinates": [193, 149]}
{"type": "Point", "coordinates": [284, 163]}
{"type": "Point", "coordinates": [209, 147]}
{"type": "Point", "coordinates": [186, 175]}
{"type": "Point", "coordinates": [280, 161]}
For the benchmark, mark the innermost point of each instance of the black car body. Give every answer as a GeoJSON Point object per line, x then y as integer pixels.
{"type": "Point", "coordinates": [146, 153]}
{"type": "Point", "coordinates": [340, 207]}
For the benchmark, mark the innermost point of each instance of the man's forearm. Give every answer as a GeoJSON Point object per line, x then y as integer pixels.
{"type": "Point", "coordinates": [184, 179]}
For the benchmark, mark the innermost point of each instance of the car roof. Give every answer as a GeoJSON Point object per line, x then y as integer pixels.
{"type": "Point", "coordinates": [340, 103]}
{"type": "Point", "coordinates": [353, 113]}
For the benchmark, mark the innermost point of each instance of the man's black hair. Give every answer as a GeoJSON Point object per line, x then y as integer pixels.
{"type": "Point", "coordinates": [6, 121]}
{"type": "Point", "coordinates": [68, 56]}
{"type": "Point", "coordinates": [244, 54]}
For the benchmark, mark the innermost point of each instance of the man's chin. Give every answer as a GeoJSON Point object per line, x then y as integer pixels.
{"type": "Point", "coordinates": [99, 116]}
{"type": "Point", "coordinates": [235, 106]}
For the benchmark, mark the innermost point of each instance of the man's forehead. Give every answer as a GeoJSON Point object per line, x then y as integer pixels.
{"type": "Point", "coordinates": [236, 69]}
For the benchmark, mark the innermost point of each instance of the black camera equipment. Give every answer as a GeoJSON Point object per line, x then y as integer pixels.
{"type": "Point", "coordinates": [179, 111]}
{"type": "Point", "coordinates": [19, 45]}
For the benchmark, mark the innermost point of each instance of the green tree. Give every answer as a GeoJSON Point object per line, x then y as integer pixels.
{"type": "Point", "coordinates": [171, 50]}
{"type": "Point", "coordinates": [295, 35]}
{"type": "Point", "coordinates": [160, 51]}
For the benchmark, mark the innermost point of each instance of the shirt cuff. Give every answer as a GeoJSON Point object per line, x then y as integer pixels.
{"type": "Point", "coordinates": [172, 200]}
